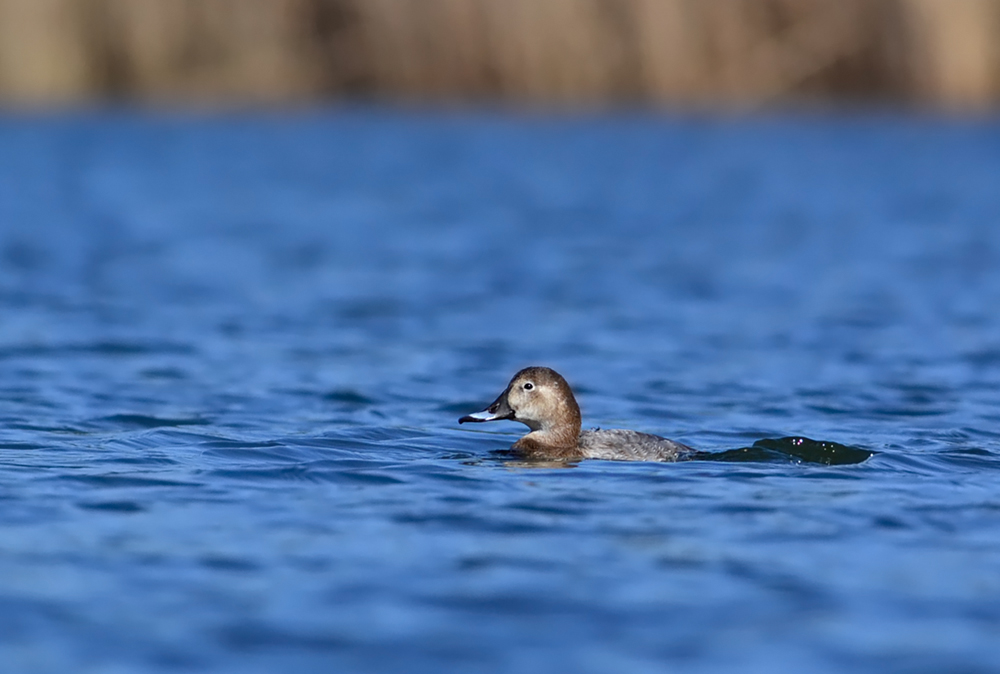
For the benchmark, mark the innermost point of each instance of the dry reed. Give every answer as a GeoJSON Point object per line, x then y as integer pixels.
{"type": "Point", "coordinates": [733, 52]}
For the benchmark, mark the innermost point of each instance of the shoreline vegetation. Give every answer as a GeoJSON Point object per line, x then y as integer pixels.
{"type": "Point", "coordinates": [671, 53]}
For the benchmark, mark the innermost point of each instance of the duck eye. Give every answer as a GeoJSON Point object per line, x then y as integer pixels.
{"type": "Point", "coordinates": [529, 386]}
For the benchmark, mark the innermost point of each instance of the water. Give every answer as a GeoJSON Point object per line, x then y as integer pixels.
{"type": "Point", "coordinates": [233, 351]}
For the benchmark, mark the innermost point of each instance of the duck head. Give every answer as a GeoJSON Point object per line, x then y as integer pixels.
{"type": "Point", "coordinates": [539, 398]}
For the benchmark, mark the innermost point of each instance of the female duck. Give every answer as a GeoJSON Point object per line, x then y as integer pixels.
{"type": "Point", "coordinates": [542, 400]}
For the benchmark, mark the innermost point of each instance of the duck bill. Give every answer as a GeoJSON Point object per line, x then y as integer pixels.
{"type": "Point", "coordinates": [498, 409]}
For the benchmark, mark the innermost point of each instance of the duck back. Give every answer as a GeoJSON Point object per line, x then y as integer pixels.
{"type": "Point", "coordinates": [623, 445]}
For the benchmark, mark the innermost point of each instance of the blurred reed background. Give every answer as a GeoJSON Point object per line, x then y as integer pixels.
{"type": "Point", "coordinates": [671, 52]}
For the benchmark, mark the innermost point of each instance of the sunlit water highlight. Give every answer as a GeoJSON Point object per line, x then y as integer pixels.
{"type": "Point", "coordinates": [233, 351]}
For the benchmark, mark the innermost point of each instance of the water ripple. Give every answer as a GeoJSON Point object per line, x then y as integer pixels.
{"type": "Point", "coordinates": [234, 347]}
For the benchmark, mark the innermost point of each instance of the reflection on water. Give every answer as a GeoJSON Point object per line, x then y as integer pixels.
{"type": "Point", "coordinates": [232, 351]}
{"type": "Point", "coordinates": [794, 450]}
{"type": "Point", "coordinates": [768, 450]}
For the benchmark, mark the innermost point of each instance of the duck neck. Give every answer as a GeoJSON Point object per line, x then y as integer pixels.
{"type": "Point", "coordinates": [563, 436]}
{"type": "Point", "coordinates": [557, 440]}
{"type": "Point", "coordinates": [546, 445]}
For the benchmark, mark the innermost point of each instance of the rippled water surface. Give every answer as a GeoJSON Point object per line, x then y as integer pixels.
{"type": "Point", "coordinates": [233, 351]}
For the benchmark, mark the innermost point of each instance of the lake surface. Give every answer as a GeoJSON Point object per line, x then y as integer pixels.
{"type": "Point", "coordinates": [234, 348]}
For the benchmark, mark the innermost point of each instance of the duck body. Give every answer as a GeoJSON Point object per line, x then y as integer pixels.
{"type": "Point", "coordinates": [622, 445]}
{"type": "Point", "coordinates": [541, 399]}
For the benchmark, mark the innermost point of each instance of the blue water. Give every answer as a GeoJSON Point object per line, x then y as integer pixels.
{"type": "Point", "coordinates": [233, 350]}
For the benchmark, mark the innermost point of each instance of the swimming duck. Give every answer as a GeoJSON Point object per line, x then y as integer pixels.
{"type": "Point", "coordinates": [541, 399]}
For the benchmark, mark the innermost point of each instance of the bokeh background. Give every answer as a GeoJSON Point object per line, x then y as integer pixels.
{"type": "Point", "coordinates": [943, 53]}
{"type": "Point", "coordinates": [258, 256]}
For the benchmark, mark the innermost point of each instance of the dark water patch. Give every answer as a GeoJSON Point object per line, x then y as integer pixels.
{"type": "Point", "coordinates": [366, 437]}
{"type": "Point", "coordinates": [835, 409]}
{"type": "Point", "coordinates": [458, 456]}
{"type": "Point", "coordinates": [348, 397]}
{"type": "Point", "coordinates": [975, 458]}
{"type": "Point", "coordinates": [483, 562]}
{"type": "Point", "coordinates": [372, 309]}
{"type": "Point", "coordinates": [96, 349]}
{"type": "Point", "coordinates": [28, 396]}
{"type": "Point", "coordinates": [295, 473]}
{"type": "Point", "coordinates": [146, 421]}
{"type": "Point", "coordinates": [359, 477]}
{"type": "Point", "coordinates": [119, 480]}
{"type": "Point", "coordinates": [313, 472]}
{"type": "Point", "coordinates": [240, 455]}
{"type": "Point", "coordinates": [473, 523]}
{"type": "Point", "coordinates": [893, 411]}
{"type": "Point", "coordinates": [832, 476]}
{"type": "Point", "coordinates": [253, 637]}
{"type": "Point", "coordinates": [543, 509]}
{"type": "Point", "coordinates": [445, 473]}
{"type": "Point", "coordinates": [21, 615]}
{"type": "Point", "coordinates": [21, 446]}
{"type": "Point", "coordinates": [59, 429]}
{"type": "Point", "coordinates": [885, 522]}
{"type": "Point", "coordinates": [166, 373]}
{"type": "Point", "coordinates": [507, 603]}
{"type": "Point", "coordinates": [137, 462]}
{"type": "Point", "coordinates": [227, 443]}
{"type": "Point", "coordinates": [791, 450]}
{"type": "Point", "coordinates": [900, 461]}
{"type": "Point", "coordinates": [157, 441]}
{"type": "Point", "coordinates": [349, 463]}
{"type": "Point", "coordinates": [266, 452]}
{"type": "Point", "coordinates": [792, 588]}
{"type": "Point", "coordinates": [124, 507]}
{"type": "Point", "coordinates": [745, 509]}
{"type": "Point", "coordinates": [231, 564]}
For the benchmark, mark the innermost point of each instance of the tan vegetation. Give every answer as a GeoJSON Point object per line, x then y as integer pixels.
{"type": "Point", "coordinates": [672, 52]}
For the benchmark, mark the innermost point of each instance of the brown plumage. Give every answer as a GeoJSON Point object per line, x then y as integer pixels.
{"type": "Point", "coordinates": [541, 399]}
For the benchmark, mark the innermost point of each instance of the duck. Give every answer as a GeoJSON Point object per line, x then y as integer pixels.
{"type": "Point", "coordinates": [540, 398]}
